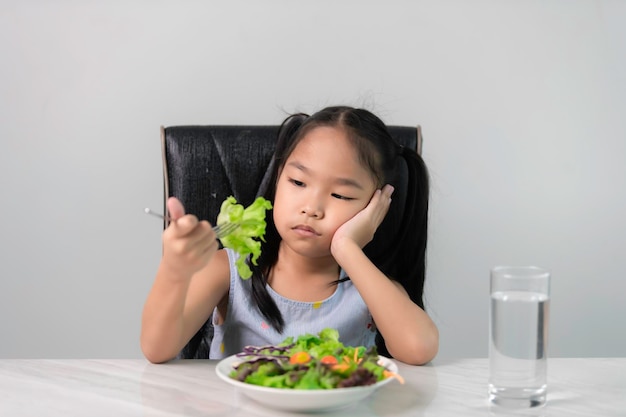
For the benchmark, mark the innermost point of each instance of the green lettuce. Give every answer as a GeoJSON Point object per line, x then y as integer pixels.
{"type": "Point", "coordinates": [246, 239]}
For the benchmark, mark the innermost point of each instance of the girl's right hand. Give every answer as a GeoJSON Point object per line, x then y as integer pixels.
{"type": "Point", "coordinates": [188, 244]}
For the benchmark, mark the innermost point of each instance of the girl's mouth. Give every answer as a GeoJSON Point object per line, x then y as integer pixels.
{"type": "Point", "coordinates": [305, 230]}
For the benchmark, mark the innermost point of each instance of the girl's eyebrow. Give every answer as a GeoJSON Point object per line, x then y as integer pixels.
{"type": "Point", "coordinates": [351, 182]}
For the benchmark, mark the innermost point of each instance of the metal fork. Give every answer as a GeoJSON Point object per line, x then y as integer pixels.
{"type": "Point", "coordinates": [221, 230]}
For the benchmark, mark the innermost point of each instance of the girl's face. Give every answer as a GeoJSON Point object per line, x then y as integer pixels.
{"type": "Point", "coordinates": [321, 186]}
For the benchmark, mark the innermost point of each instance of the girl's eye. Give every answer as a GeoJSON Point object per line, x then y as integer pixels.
{"type": "Point", "coordinates": [296, 182]}
{"type": "Point", "coordinates": [342, 197]}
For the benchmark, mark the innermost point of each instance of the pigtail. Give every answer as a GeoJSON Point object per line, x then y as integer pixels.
{"type": "Point", "coordinates": [269, 248]}
{"type": "Point", "coordinates": [403, 256]}
{"type": "Point", "coordinates": [410, 255]}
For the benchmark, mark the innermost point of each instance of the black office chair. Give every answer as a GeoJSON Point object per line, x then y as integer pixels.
{"type": "Point", "coordinates": [203, 165]}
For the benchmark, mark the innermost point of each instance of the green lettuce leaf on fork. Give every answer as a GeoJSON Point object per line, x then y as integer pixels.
{"type": "Point", "coordinates": [246, 239]}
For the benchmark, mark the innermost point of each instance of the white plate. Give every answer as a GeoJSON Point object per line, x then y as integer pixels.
{"type": "Point", "coordinates": [302, 400]}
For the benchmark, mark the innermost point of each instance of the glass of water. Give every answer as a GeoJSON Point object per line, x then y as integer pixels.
{"type": "Point", "coordinates": [518, 336]}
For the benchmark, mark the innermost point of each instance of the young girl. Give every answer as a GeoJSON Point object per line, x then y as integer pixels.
{"type": "Point", "coordinates": [330, 189]}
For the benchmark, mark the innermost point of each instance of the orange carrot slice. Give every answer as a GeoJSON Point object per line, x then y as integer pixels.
{"type": "Point", "coordinates": [389, 374]}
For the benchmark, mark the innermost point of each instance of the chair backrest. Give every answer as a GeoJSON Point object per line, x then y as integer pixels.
{"type": "Point", "coordinates": [203, 165]}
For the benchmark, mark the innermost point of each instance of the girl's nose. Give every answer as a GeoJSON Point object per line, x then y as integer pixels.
{"type": "Point", "coordinates": [314, 212]}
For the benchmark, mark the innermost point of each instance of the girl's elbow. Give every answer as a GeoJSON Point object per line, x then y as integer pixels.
{"type": "Point", "coordinates": [427, 351]}
{"type": "Point", "coordinates": [155, 355]}
{"type": "Point", "coordinates": [419, 349]}
{"type": "Point", "coordinates": [155, 358]}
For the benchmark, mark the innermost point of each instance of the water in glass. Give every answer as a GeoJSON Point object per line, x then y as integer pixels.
{"type": "Point", "coordinates": [518, 343]}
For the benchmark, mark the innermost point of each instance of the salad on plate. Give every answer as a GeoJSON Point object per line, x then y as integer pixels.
{"type": "Point", "coordinates": [311, 362]}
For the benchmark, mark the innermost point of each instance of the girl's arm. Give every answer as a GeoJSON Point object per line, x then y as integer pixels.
{"type": "Point", "coordinates": [191, 280]}
{"type": "Point", "coordinates": [410, 335]}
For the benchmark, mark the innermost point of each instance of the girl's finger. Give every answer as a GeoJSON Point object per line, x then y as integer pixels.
{"type": "Point", "coordinates": [381, 202]}
{"type": "Point", "coordinates": [184, 225]}
{"type": "Point", "coordinates": [175, 208]}
{"type": "Point", "coordinates": [388, 190]}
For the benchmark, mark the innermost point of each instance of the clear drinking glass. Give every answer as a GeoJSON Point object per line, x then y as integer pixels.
{"type": "Point", "coordinates": [518, 336]}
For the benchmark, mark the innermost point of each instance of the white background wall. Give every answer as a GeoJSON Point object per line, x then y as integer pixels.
{"type": "Point", "coordinates": [522, 105]}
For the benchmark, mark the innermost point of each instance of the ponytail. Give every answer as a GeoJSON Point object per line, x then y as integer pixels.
{"type": "Point", "coordinates": [410, 253]}
{"type": "Point", "coordinates": [269, 248]}
{"type": "Point", "coordinates": [402, 254]}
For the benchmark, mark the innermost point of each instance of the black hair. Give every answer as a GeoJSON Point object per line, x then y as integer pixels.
{"type": "Point", "coordinates": [398, 248]}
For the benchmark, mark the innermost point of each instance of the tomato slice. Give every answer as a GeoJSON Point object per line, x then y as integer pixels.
{"type": "Point", "coordinates": [329, 360]}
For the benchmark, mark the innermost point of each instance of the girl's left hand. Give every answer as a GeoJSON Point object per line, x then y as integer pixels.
{"type": "Point", "coordinates": [361, 228]}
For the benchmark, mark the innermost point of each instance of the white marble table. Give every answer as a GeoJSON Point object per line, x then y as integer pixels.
{"type": "Point", "coordinates": [134, 387]}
